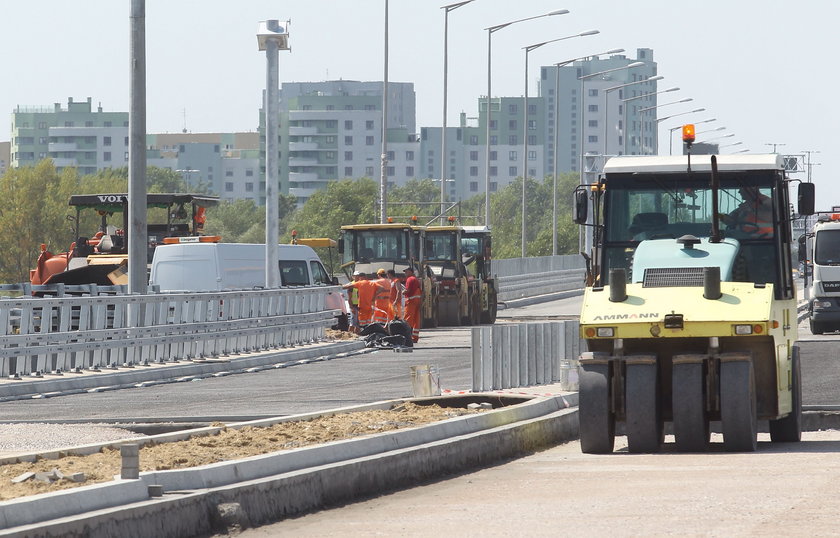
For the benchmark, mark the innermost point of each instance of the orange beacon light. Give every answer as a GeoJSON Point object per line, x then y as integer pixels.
{"type": "Point", "coordinates": [688, 133]}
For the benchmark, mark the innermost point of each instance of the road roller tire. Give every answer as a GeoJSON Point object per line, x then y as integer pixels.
{"type": "Point", "coordinates": [789, 428]}
{"type": "Point", "coordinates": [596, 419]}
{"type": "Point", "coordinates": [738, 402]}
{"type": "Point", "coordinates": [643, 422]}
{"type": "Point", "coordinates": [688, 404]}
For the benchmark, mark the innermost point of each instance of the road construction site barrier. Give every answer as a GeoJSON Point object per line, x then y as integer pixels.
{"type": "Point", "coordinates": [524, 354]}
{"type": "Point", "coordinates": [40, 335]}
{"type": "Point", "coordinates": [528, 277]}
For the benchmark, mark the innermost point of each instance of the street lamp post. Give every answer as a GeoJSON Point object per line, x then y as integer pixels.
{"type": "Point", "coordinates": [272, 37]}
{"type": "Point", "coordinates": [447, 9]}
{"type": "Point", "coordinates": [678, 127]}
{"type": "Point", "coordinates": [582, 104]}
{"type": "Point", "coordinates": [528, 49]}
{"type": "Point", "coordinates": [642, 96]}
{"type": "Point", "coordinates": [557, 67]}
{"type": "Point", "coordinates": [730, 135]}
{"type": "Point", "coordinates": [606, 103]}
{"type": "Point", "coordinates": [649, 108]}
{"type": "Point", "coordinates": [137, 207]}
{"type": "Point", "coordinates": [730, 145]}
{"type": "Point", "coordinates": [383, 174]}
{"type": "Point", "coordinates": [490, 31]}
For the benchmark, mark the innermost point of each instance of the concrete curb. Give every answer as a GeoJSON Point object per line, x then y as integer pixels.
{"type": "Point", "coordinates": [400, 448]}
{"type": "Point", "coordinates": [187, 371]}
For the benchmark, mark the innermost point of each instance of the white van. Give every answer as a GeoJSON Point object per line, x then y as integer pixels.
{"type": "Point", "coordinates": [237, 266]}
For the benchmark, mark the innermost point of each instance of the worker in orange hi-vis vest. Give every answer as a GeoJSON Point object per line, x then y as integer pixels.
{"type": "Point", "coordinates": [367, 289]}
{"type": "Point", "coordinates": [396, 298]}
{"type": "Point", "coordinates": [382, 298]}
{"type": "Point", "coordinates": [413, 300]}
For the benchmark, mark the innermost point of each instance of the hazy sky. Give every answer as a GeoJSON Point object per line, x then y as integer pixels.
{"type": "Point", "coordinates": [762, 68]}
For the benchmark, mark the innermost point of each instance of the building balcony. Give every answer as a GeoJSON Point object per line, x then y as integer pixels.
{"type": "Point", "coordinates": [63, 163]}
{"type": "Point", "coordinates": [303, 131]}
{"type": "Point", "coordinates": [307, 192]}
{"type": "Point", "coordinates": [62, 146]}
{"type": "Point", "coordinates": [301, 161]}
{"type": "Point", "coordinates": [303, 176]}
{"type": "Point", "coordinates": [303, 146]}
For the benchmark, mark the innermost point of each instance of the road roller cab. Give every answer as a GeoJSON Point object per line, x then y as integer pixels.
{"type": "Point", "coordinates": [690, 315]}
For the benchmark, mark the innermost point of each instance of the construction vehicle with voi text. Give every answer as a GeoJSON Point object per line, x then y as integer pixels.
{"type": "Point", "coordinates": [691, 312]}
{"type": "Point", "coordinates": [366, 248]}
{"type": "Point", "coordinates": [102, 258]}
{"type": "Point", "coordinates": [824, 249]}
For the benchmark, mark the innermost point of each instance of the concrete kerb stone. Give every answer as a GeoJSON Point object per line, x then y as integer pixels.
{"type": "Point", "coordinates": [259, 467]}
{"type": "Point", "coordinates": [123, 379]}
{"type": "Point", "coordinates": [288, 493]}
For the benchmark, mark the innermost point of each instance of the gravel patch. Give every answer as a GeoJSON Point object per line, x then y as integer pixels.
{"type": "Point", "coordinates": [35, 437]}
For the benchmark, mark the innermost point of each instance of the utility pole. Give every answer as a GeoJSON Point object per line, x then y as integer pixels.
{"type": "Point", "coordinates": [137, 227]}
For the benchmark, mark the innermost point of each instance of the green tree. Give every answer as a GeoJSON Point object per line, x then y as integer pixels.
{"type": "Point", "coordinates": [326, 211]}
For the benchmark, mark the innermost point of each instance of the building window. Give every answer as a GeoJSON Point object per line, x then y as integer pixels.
{"type": "Point", "coordinates": [592, 108]}
{"type": "Point", "coordinates": [532, 125]}
{"type": "Point", "coordinates": [390, 155]}
{"type": "Point", "coordinates": [513, 108]}
{"type": "Point", "coordinates": [106, 156]}
{"type": "Point", "coordinates": [332, 124]}
{"type": "Point", "coordinates": [409, 155]}
{"type": "Point", "coordinates": [390, 171]}
{"type": "Point", "coordinates": [494, 140]}
{"type": "Point", "coordinates": [68, 124]}
{"type": "Point", "coordinates": [348, 124]}
{"type": "Point", "coordinates": [493, 186]}
{"type": "Point", "coordinates": [370, 107]}
{"type": "Point", "coordinates": [409, 171]}
{"type": "Point", "coordinates": [348, 107]}
{"type": "Point", "coordinates": [330, 107]}
{"type": "Point", "coordinates": [228, 186]}
{"type": "Point", "coordinates": [348, 171]}
{"type": "Point", "coordinates": [249, 172]}
{"type": "Point", "coordinates": [532, 155]}
{"type": "Point", "coordinates": [592, 138]}
{"type": "Point", "coordinates": [493, 155]}
{"type": "Point", "coordinates": [348, 155]}
{"type": "Point", "coordinates": [249, 187]}
{"type": "Point", "coordinates": [369, 125]}
{"type": "Point", "coordinates": [512, 156]}
{"type": "Point", "coordinates": [593, 123]}
{"type": "Point", "coordinates": [593, 92]}
{"type": "Point", "coordinates": [473, 155]}
{"type": "Point", "coordinates": [532, 140]}
{"type": "Point", "coordinates": [369, 140]}
{"type": "Point", "coordinates": [512, 171]}
{"type": "Point", "coordinates": [473, 140]}
{"type": "Point", "coordinates": [42, 125]}
{"type": "Point", "coordinates": [513, 140]}
{"type": "Point", "coordinates": [228, 173]}
{"type": "Point", "coordinates": [348, 140]}
{"type": "Point", "coordinates": [494, 124]}
{"type": "Point", "coordinates": [494, 171]}
{"type": "Point", "coordinates": [473, 186]}
{"type": "Point", "coordinates": [473, 171]}
{"type": "Point", "coordinates": [512, 124]}
{"type": "Point", "coordinates": [532, 109]}
{"type": "Point", "coordinates": [369, 171]}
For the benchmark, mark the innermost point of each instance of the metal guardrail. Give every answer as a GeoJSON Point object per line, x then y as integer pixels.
{"type": "Point", "coordinates": [518, 278]}
{"type": "Point", "coordinates": [525, 354]}
{"type": "Point", "coordinates": [55, 335]}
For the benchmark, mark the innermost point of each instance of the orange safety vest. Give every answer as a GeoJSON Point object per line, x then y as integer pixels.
{"type": "Point", "coordinates": [366, 290]}
{"type": "Point", "coordinates": [413, 301]}
{"type": "Point", "coordinates": [756, 218]}
{"type": "Point", "coordinates": [381, 300]}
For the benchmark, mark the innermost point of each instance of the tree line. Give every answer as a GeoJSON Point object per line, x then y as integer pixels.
{"type": "Point", "coordinates": [34, 210]}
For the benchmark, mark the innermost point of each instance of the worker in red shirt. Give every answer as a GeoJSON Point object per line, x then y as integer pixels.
{"type": "Point", "coordinates": [366, 289]}
{"type": "Point", "coordinates": [413, 299]}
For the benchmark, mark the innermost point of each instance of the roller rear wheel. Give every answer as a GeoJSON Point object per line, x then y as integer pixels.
{"type": "Point", "coordinates": [597, 421]}
{"type": "Point", "coordinates": [643, 422]}
{"type": "Point", "coordinates": [789, 429]}
{"type": "Point", "coordinates": [738, 402]}
{"type": "Point", "coordinates": [688, 404]}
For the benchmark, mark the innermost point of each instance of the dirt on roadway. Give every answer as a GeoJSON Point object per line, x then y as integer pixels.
{"type": "Point", "coordinates": [229, 444]}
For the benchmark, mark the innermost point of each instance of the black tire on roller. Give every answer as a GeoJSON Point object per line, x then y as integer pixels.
{"type": "Point", "coordinates": [688, 405]}
{"type": "Point", "coordinates": [789, 428]}
{"type": "Point", "coordinates": [738, 403]}
{"type": "Point", "coordinates": [643, 419]}
{"type": "Point", "coordinates": [597, 422]}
